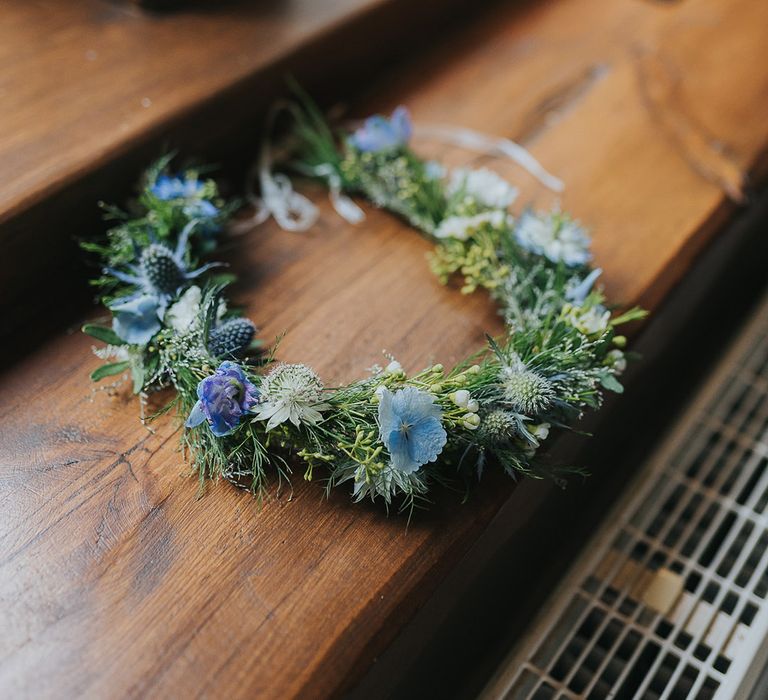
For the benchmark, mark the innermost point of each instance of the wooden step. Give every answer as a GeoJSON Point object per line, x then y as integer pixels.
{"type": "Point", "coordinates": [116, 580]}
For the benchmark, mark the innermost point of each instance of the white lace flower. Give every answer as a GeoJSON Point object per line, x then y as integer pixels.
{"type": "Point", "coordinates": [460, 227]}
{"type": "Point", "coordinates": [487, 187]}
{"type": "Point", "coordinates": [291, 393]}
{"type": "Point", "coordinates": [182, 315]}
{"type": "Point", "coordinates": [554, 236]}
{"type": "Point", "coordinates": [590, 321]}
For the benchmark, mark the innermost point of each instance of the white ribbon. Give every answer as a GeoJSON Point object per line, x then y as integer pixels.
{"type": "Point", "coordinates": [291, 210]}
{"type": "Point", "coordinates": [294, 212]}
{"type": "Point", "coordinates": [492, 146]}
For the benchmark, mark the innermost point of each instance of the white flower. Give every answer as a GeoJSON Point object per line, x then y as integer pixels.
{"type": "Point", "coordinates": [461, 227]}
{"type": "Point", "coordinates": [591, 321]}
{"type": "Point", "coordinates": [554, 236]}
{"type": "Point", "coordinates": [471, 421]}
{"type": "Point", "coordinates": [617, 360]}
{"type": "Point", "coordinates": [183, 314]}
{"type": "Point", "coordinates": [540, 431]}
{"type": "Point", "coordinates": [291, 392]}
{"type": "Point", "coordinates": [394, 367]}
{"type": "Point", "coordinates": [487, 187]}
{"type": "Point", "coordinates": [460, 398]}
{"type": "Point", "coordinates": [473, 406]}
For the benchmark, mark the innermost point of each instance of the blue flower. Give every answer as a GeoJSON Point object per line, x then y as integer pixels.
{"type": "Point", "coordinates": [380, 134]}
{"type": "Point", "coordinates": [410, 427]}
{"type": "Point", "coordinates": [189, 189]}
{"type": "Point", "coordinates": [158, 275]}
{"type": "Point", "coordinates": [224, 398]}
{"type": "Point", "coordinates": [136, 318]}
{"type": "Point", "coordinates": [576, 292]}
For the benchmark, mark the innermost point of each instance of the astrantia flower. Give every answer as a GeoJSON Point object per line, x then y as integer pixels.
{"type": "Point", "coordinates": [526, 391]}
{"type": "Point", "coordinates": [224, 398]}
{"type": "Point", "coordinates": [291, 392]}
{"type": "Point", "coordinates": [158, 275]}
{"type": "Point", "coordinates": [381, 134]}
{"type": "Point", "coordinates": [485, 186]}
{"type": "Point", "coordinates": [555, 236]}
{"type": "Point", "coordinates": [189, 189]}
{"type": "Point", "coordinates": [461, 227]}
{"type": "Point", "coordinates": [410, 427]}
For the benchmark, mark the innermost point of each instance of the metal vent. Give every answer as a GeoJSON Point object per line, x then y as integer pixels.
{"type": "Point", "coordinates": [670, 599]}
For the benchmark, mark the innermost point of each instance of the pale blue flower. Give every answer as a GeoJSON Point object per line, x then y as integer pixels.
{"type": "Point", "coordinates": [577, 291]}
{"type": "Point", "coordinates": [189, 189]}
{"type": "Point", "coordinates": [381, 134]}
{"type": "Point", "coordinates": [136, 319]}
{"type": "Point", "coordinates": [223, 399]}
{"type": "Point", "coordinates": [410, 427]}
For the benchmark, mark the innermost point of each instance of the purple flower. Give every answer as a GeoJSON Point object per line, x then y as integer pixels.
{"type": "Point", "coordinates": [223, 399]}
{"type": "Point", "coordinates": [381, 134]}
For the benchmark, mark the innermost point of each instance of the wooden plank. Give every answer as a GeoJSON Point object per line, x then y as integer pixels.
{"type": "Point", "coordinates": [116, 581]}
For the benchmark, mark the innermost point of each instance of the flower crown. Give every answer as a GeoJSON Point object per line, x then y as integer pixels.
{"type": "Point", "coordinates": [390, 435]}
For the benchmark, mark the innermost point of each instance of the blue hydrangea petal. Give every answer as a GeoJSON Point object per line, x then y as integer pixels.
{"type": "Point", "coordinates": [410, 428]}
{"type": "Point", "coordinates": [427, 439]}
{"type": "Point", "coordinates": [379, 133]}
{"type": "Point", "coordinates": [137, 319]}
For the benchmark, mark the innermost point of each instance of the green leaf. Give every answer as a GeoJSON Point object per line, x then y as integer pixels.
{"type": "Point", "coordinates": [103, 333]}
{"type": "Point", "coordinates": [611, 383]}
{"type": "Point", "coordinates": [109, 370]}
{"type": "Point", "coordinates": [138, 378]}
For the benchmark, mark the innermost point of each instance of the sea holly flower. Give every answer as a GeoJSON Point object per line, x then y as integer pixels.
{"type": "Point", "coordinates": [158, 275]}
{"type": "Point", "coordinates": [410, 427]}
{"type": "Point", "coordinates": [555, 236]}
{"type": "Point", "coordinates": [191, 191]}
{"type": "Point", "coordinates": [486, 187]}
{"type": "Point", "coordinates": [223, 399]}
{"type": "Point", "coordinates": [231, 337]}
{"type": "Point", "coordinates": [381, 134]}
{"type": "Point", "coordinates": [525, 390]}
{"type": "Point", "coordinates": [291, 393]}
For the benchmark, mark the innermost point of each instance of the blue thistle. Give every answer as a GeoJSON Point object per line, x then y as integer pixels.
{"type": "Point", "coordinates": [231, 338]}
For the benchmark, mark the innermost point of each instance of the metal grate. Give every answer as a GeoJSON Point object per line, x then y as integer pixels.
{"type": "Point", "coordinates": [670, 599]}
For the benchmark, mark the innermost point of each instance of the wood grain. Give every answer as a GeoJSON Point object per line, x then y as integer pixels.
{"type": "Point", "coordinates": [117, 581]}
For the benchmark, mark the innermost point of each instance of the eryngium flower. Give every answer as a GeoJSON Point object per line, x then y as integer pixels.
{"type": "Point", "coordinates": [158, 274]}
{"type": "Point", "coordinates": [381, 134]}
{"type": "Point", "coordinates": [291, 393]}
{"type": "Point", "coordinates": [410, 427]}
{"type": "Point", "coordinates": [231, 337]}
{"type": "Point", "coordinates": [497, 427]}
{"type": "Point", "coordinates": [526, 391]}
{"type": "Point", "coordinates": [223, 399]}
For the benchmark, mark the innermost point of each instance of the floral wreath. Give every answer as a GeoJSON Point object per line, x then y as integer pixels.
{"type": "Point", "coordinates": [390, 435]}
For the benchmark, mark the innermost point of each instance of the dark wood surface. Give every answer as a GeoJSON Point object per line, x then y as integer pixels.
{"type": "Point", "coordinates": [116, 581]}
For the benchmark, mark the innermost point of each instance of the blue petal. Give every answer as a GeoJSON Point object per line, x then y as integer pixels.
{"type": "Point", "coordinates": [196, 417]}
{"type": "Point", "coordinates": [136, 320]}
{"type": "Point", "coordinates": [578, 293]}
